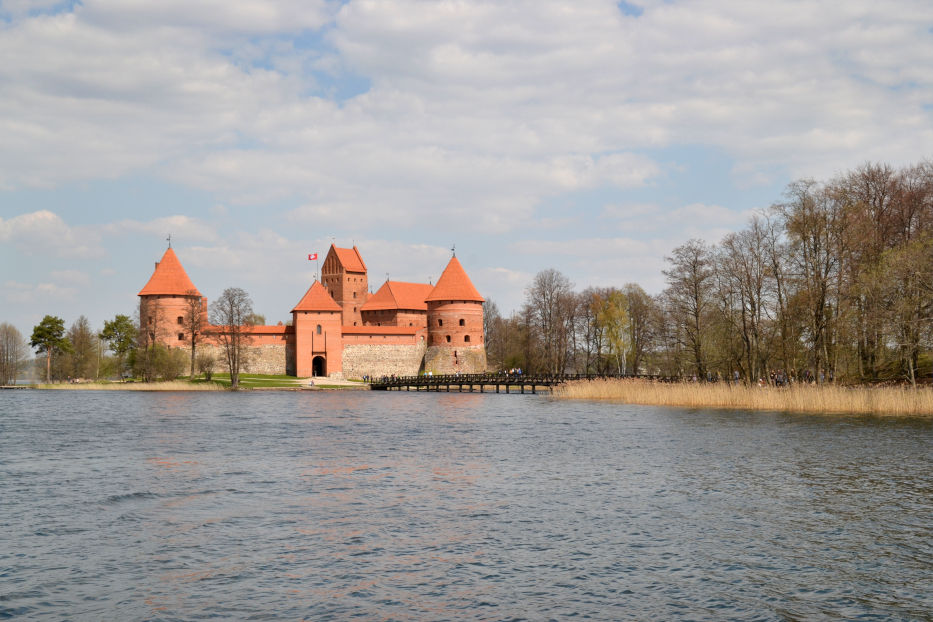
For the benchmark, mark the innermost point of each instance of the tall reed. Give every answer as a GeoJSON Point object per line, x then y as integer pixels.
{"type": "Point", "coordinates": [797, 398]}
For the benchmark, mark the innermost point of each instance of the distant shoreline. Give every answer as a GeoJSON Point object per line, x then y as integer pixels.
{"type": "Point", "coordinates": [182, 386]}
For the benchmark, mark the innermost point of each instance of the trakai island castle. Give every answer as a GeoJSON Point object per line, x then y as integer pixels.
{"type": "Point", "coordinates": [338, 327]}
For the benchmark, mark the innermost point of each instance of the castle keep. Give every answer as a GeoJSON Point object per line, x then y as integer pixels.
{"type": "Point", "coordinates": [338, 327]}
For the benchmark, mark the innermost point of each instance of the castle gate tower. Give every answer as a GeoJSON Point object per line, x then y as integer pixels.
{"type": "Point", "coordinates": [318, 335]}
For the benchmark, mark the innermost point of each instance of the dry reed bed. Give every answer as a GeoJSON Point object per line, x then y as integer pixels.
{"type": "Point", "coordinates": [177, 385]}
{"type": "Point", "coordinates": [892, 401]}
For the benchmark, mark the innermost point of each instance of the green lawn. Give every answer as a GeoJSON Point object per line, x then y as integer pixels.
{"type": "Point", "coordinates": [249, 381]}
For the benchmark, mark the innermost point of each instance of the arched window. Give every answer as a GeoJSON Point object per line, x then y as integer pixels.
{"type": "Point", "coordinates": [318, 329]}
{"type": "Point", "coordinates": [462, 322]}
{"type": "Point", "coordinates": [466, 339]}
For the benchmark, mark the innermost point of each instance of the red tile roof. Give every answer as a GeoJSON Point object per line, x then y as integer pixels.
{"type": "Point", "coordinates": [454, 284]}
{"type": "Point", "coordinates": [316, 299]}
{"type": "Point", "coordinates": [350, 259]}
{"type": "Point", "coordinates": [380, 330]}
{"type": "Point", "coordinates": [399, 295]}
{"type": "Point", "coordinates": [169, 278]}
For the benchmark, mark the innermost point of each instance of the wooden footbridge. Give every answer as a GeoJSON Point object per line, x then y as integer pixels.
{"type": "Point", "coordinates": [492, 383]}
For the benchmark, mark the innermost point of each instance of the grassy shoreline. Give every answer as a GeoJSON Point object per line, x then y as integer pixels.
{"type": "Point", "coordinates": [220, 382]}
{"type": "Point", "coordinates": [828, 399]}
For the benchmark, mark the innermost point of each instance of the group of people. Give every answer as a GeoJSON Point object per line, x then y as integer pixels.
{"type": "Point", "coordinates": [776, 378]}
{"type": "Point", "coordinates": [780, 378]}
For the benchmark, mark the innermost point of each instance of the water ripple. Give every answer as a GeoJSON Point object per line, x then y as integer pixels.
{"type": "Point", "coordinates": [413, 506]}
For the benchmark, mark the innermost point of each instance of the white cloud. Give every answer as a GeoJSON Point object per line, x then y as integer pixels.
{"type": "Point", "coordinates": [180, 227]}
{"type": "Point", "coordinates": [442, 120]}
{"type": "Point", "coordinates": [15, 292]}
{"type": "Point", "coordinates": [66, 277]}
{"type": "Point", "coordinates": [44, 232]}
{"type": "Point", "coordinates": [475, 108]}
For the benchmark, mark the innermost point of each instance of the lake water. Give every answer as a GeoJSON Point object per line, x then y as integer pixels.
{"type": "Point", "coordinates": [327, 506]}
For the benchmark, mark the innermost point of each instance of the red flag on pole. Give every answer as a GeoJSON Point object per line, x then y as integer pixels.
{"type": "Point", "coordinates": [312, 256]}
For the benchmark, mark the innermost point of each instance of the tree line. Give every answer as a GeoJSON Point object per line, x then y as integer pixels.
{"type": "Point", "coordinates": [832, 283]}
{"type": "Point", "coordinates": [132, 346]}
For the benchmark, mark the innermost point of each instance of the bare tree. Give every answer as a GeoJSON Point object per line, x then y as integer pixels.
{"type": "Point", "coordinates": [193, 322]}
{"type": "Point", "coordinates": [689, 296]}
{"type": "Point", "coordinates": [640, 326]}
{"type": "Point", "coordinates": [231, 314]}
{"type": "Point", "coordinates": [745, 292]}
{"type": "Point", "coordinates": [13, 353]}
{"type": "Point", "coordinates": [549, 308]}
{"type": "Point", "coordinates": [816, 227]}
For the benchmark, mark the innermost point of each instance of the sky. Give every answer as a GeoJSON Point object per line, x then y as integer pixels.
{"type": "Point", "coordinates": [589, 136]}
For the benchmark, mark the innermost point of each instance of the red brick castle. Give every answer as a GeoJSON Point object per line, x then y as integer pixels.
{"type": "Point", "coordinates": [338, 327]}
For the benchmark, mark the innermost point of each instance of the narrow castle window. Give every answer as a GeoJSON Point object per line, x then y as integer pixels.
{"type": "Point", "coordinates": [318, 329]}
{"type": "Point", "coordinates": [448, 338]}
{"type": "Point", "coordinates": [181, 320]}
{"type": "Point", "coordinates": [440, 322]}
{"type": "Point", "coordinates": [181, 336]}
{"type": "Point", "coordinates": [466, 339]}
{"type": "Point", "coordinates": [462, 323]}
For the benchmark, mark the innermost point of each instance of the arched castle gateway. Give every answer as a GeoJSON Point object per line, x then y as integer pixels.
{"type": "Point", "coordinates": [338, 328]}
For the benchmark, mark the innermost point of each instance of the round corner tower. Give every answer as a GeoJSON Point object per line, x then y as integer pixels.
{"type": "Point", "coordinates": [165, 302]}
{"type": "Point", "coordinates": [455, 324]}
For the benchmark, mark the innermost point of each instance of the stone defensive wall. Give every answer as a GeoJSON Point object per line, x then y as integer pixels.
{"type": "Point", "coordinates": [380, 360]}
{"type": "Point", "coordinates": [267, 349]}
{"type": "Point", "coordinates": [444, 360]}
{"type": "Point", "coordinates": [267, 359]}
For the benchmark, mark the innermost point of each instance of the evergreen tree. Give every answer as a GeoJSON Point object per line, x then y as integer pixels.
{"type": "Point", "coordinates": [48, 336]}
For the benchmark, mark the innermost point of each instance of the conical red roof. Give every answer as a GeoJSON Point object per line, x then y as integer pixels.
{"type": "Point", "coordinates": [316, 299]}
{"type": "Point", "coordinates": [454, 284]}
{"type": "Point", "coordinates": [169, 279]}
